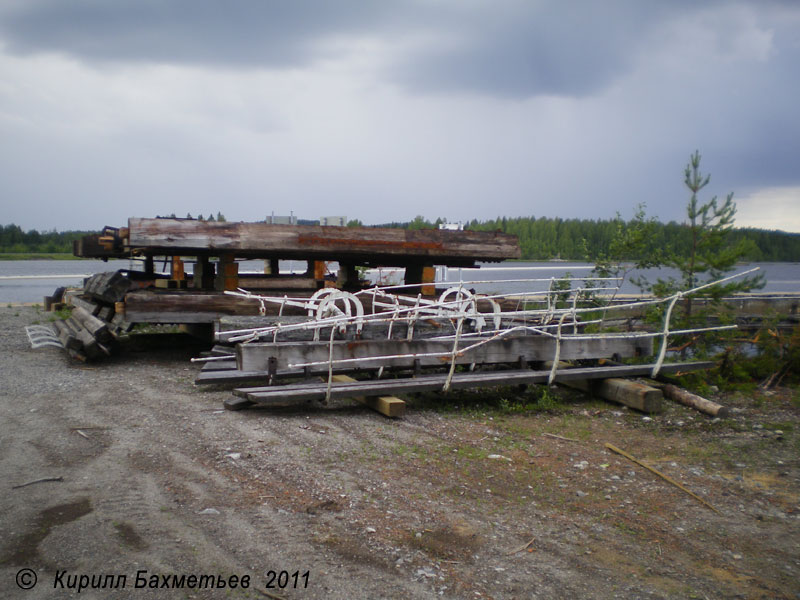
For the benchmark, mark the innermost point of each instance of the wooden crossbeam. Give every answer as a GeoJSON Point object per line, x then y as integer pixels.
{"type": "Point", "coordinates": [317, 391]}
{"type": "Point", "coordinates": [254, 357]}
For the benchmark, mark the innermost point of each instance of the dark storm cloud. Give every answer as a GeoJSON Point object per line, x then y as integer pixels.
{"type": "Point", "coordinates": [511, 47]}
{"type": "Point", "coordinates": [522, 49]}
{"type": "Point", "coordinates": [247, 33]}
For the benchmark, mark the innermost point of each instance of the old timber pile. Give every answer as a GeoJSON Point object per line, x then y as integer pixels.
{"type": "Point", "coordinates": [282, 338]}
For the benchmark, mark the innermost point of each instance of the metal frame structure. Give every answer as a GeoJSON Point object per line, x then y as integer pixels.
{"type": "Point", "coordinates": [338, 311]}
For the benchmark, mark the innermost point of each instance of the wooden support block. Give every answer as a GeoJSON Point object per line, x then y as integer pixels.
{"type": "Point", "coordinates": [272, 266]}
{"type": "Point", "coordinates": [171, 284]}
{"type": "Point", "coordinates": [178, 271]}
{"type": "Point", "coordinates": [203, 274]}
{"type": "Point", "coordinates": [227, 274]}
{"type": "Point", "coordinates": [56, 298]}
{"type": "Point", "coordinates": [347, 278]}
{"type": "Point", "coordinates": [389, 406]}
{"type": "Point", "coordinates": [428, 277]}
{"type": "Point", "coordinates": [623, 391]}
{"type": "Point", "coordinates": [320, 268]}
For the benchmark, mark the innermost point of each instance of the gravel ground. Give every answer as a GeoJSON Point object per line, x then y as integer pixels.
{"type": "Point", "coordinates": [452, 501]}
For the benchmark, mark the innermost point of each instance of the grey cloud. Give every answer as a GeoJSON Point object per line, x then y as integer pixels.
{"type": "Point", "coordinates": [514, 48]}
{"type": "Point", "coordinates": [245, 33]}
{"type": "Point", "coordinates": [521, 49]}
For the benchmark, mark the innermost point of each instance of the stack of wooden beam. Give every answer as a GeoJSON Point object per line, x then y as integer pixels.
{"type": "Point", "coordinates": [83, 335]}
{"type": "Point", "coordinates": [89, 331]}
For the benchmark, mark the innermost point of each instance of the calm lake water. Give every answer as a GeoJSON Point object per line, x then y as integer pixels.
{"type": "Point", "coordinates": [31, 280]}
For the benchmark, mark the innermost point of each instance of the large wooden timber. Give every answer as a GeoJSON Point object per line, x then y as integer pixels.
{"type": "Point", "coordinates": [425, 383]}
{"type": "Point", "coordinates": [386, 405]}
{"type": "Point", "coordinates": [149, 306]}
{"type": "Point", "coordinates": [417, 353]}
{"type": "Point", "coordinates": [354, 245]}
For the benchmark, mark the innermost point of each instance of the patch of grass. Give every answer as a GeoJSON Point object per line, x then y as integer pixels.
{"type": "Point", "coordinates": [784, 426]}
{"type": "Point", "coordinates": [61, 314]}
{"type": "Point", "coordinates": [38, 256]}
{"type": "Point", "coordinates": [470, 452]}
{"type": "Point", "coordinates": [402, 450]}
{"type": "Point", "coordinates": [501, 400]}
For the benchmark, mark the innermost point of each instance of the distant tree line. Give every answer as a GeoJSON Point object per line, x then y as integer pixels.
{"type": "Point", "coordinates": [14, 240]}
{"type": "Point", "coordinates": [546, 238]}
{"type": "Point", "coordinates": [584, 239]}
{"type": "Point", "coordinates": [220, 217]}
{"type": "Point", "coordinates": [540, 238]}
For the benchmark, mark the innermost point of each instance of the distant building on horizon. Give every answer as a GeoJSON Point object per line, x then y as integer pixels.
{"type": "Point", "coordinates": [274, 219]}
{"type": "Point", "coordinates": [333, 221]}
{"type": "Point", "coordinates": [452, 226]}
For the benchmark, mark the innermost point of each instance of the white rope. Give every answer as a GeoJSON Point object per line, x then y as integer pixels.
{"type": "Point", "coordinates": [330, 368]}
{"type": "Point", "coordinates": [557, 356]}
{"type": "Point", "coordinates": [446, 386]}
{"type": "Point", "coordinates": [665, 334]}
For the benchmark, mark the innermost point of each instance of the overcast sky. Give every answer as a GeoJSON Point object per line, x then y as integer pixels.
{"type": "Point", "coordinates": [385, 110]}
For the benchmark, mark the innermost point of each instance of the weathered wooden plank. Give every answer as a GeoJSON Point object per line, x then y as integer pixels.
{"type": "Point", "coordinates": [235, 376]}
{"type": "Point", "coordinates": [96, 327]}
{"type": "Point", "coordinates": [254, 357]}
{"type": "Point", "coordinates": [232, 376]}
{"type": "Point", "coordinates": [88, 305]}
{"type": "Point", "coordinates": [108, 287]}
{"type": "Point", "coordinates": [389, 406]}
{"type": "Point", "coordinates": [220, 365]}
{"type": "Point", "coordinates": [140, 302]}
{"type": "Point", "coordinates": [87, 340]}
{"type": "Point", "coordinates": [67, 337]}
{"type": "Point", "coordinates": [314, 391]}
{"type": "Point", "coordinates": [236, 403]}
{"type": "Point", "coordinates": [366, 245]}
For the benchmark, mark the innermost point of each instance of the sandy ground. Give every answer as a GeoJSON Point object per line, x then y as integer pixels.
{"type": "Point", "coordinates": [455, 500]}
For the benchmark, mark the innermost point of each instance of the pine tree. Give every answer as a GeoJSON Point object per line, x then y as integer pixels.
{"type": "Point", "coordinates": [711, 253]}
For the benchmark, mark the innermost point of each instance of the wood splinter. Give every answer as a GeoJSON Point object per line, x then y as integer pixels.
{"type": "Point", "coordinates": [660, 474]}
{"type": "Point", "coordinates": [560, 437]}
{"type": "Point", "coordinates": [42, 480]}
{"type": "Point", "coordinates": [521, 548]}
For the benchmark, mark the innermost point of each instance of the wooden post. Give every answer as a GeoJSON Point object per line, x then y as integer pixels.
{"type": "Point", "coordinates": [227, 273]}
{"type": "Point", "coordinates": [421, 274]}
{"type": "Point", "coordinates": [203, 277]}
{"type": "Point", "coordinates": [386, 405]}
{"type": "Point", "coordinates": [149, 267]}
{"type": "Point", "coordinates": [318, 267]}
{"type": "Point", "coordinates": [272, 266]}
{"type": "Point", "coordinates": [428, 276]}
{"type": "Point", "coordinates": [178, 272]}
{"type": "Point", "coordinates": [347, 278]}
